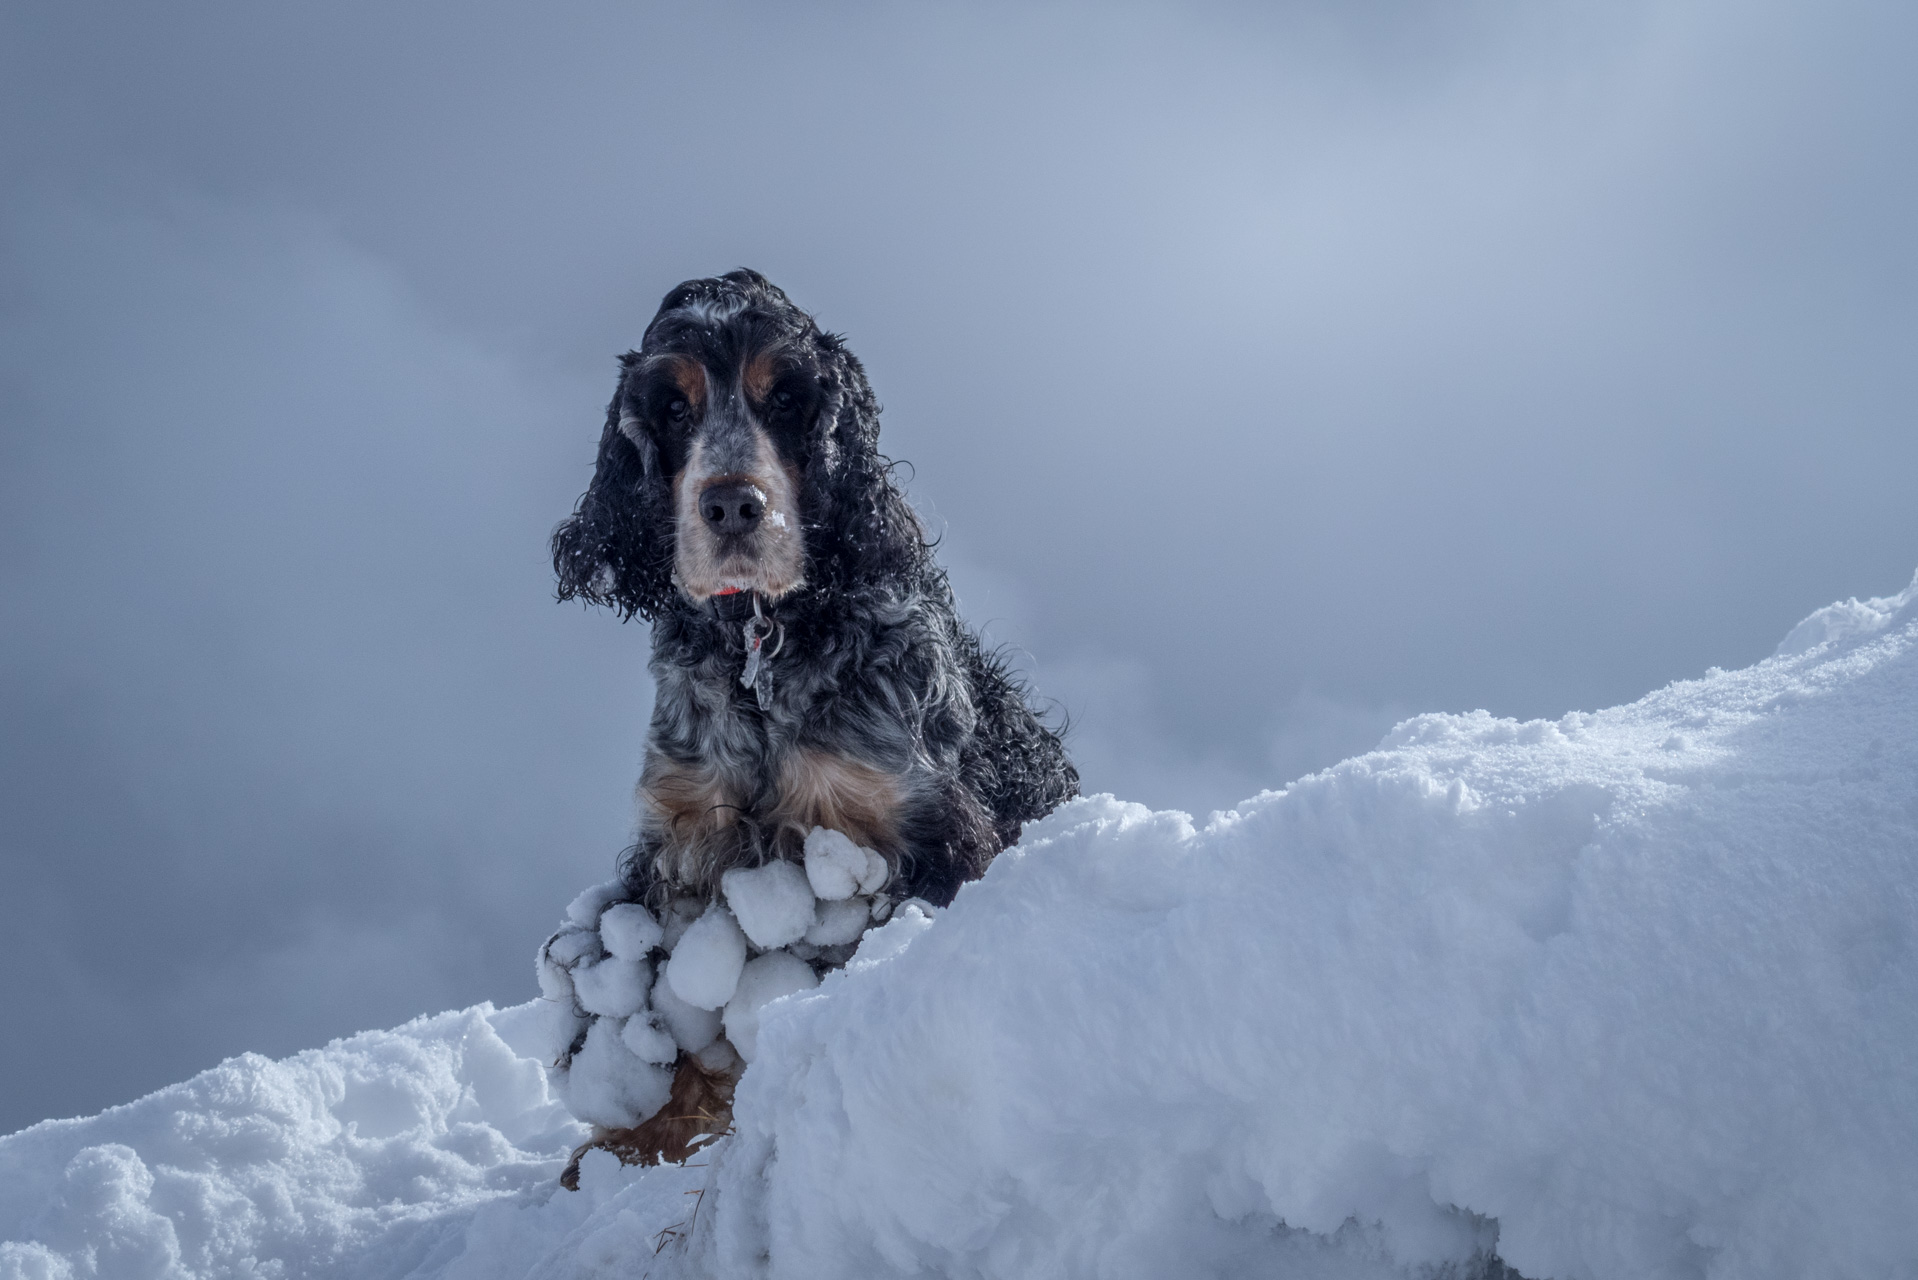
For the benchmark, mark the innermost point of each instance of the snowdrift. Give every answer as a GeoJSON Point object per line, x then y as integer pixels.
{"type": "Point", "coordinates": [1627, 994]}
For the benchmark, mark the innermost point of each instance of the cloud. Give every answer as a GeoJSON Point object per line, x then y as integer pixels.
{"type": "Point", "coordinates": [284, 682]}
{"type": "Point", "coordinates": [1271, 370]}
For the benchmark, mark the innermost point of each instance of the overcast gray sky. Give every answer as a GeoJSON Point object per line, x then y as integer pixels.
{"type": "Point", "coordinates": [1272, 372]}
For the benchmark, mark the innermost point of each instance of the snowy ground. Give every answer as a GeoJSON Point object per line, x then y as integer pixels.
{"type": "Point", "coordinates": [1631, 994]}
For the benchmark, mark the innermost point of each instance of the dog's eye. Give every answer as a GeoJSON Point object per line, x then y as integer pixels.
{"type": "Point", "coordinates": [678, 409]}
{"type": "Point", "coordinates": [782, 402]}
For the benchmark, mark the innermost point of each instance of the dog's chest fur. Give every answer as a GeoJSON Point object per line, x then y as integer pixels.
{"type": "Point", "coordinates": [852, 739]}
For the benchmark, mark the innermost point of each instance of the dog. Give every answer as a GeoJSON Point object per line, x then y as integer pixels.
{"type": "Point", "coordinates": [810, 665]}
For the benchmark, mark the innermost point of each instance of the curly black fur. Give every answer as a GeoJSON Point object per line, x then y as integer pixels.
{"type": "Point", "coordinates": [876, 676]}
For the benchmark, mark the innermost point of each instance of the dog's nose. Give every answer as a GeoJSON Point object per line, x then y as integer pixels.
{"type": "Point", "coordinates": [732, 508]}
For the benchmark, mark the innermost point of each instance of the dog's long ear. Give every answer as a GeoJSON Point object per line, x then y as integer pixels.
{"type": "Point", "coordinates": [874, 535]}
{"type": "Point", "coordinates": [616, 548]}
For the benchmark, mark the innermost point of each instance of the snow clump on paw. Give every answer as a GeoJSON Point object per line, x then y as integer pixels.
{"type": "Point", "coordinates": [705, 966]}
{"type": "Point", "coordinates": [555, 982]}
{"type": "Point", "coordinates": [834, 864]}
{"type": "Point", "coordinates": [571, 945]}
{"type": "Point", "coordinates": [876, 874]}
{"type": "Point", "coordinates": [558, 956]}
{"type": "Point", "coordinates": [557, 1025]}
{"type": "Point", "coordinates": [771, 976]}
{"type": "Point", "coordinates": [720, 1057]}
{"type": "Point", "coordinates": [677, 918]}
{"type": "Point", "coordinates": [628, 930]}
{"type": "Point", "coordinates": [773, 903]}
{"type": "Point", "coordinates": [613, 988]}
{"type": "Point", "coordinates": [691, 1027]}
{"type": "Point", "coordinates": [617, 1021]}
{"type": "Point", "coordinates": [837, 923]}
{"type": "Point", "coordinates": [606, 1085]}
{"type": "Point", "coordinates": [584, 910]}
{"type": "Point", "coordinates": [648, 1040]}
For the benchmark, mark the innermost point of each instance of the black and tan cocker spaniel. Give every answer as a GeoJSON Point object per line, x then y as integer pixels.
{"type": "Point", "coordinates": [811, 667]}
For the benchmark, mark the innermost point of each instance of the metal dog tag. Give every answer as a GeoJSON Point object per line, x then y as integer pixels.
{"type": "Point", "coordinates": [758, 675]}
{"type": "Point", "coordinates": [756, 632]}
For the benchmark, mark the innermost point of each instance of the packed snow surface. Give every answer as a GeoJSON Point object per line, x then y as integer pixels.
{"type": "Point", "coordinates": [1627, 994]}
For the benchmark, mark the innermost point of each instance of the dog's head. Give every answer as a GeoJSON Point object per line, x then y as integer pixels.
{"type": "Point", "coordinates": [739, 454]}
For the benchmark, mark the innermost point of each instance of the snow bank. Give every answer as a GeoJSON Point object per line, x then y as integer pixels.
{"type": "Point", "coordinates": [379, 1146]}
{"type": "Point", "coordinates": [1627, 994]}
{"type": "Point", "coordinates": [1639, 985]}
{"type": "Point", "coordinates": [432, 1150]}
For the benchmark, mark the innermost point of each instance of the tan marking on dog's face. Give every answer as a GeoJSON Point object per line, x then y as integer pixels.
{"type": "Point", "coordinates": [689, 376]}
{"type": "Point", "coordinates": [817, 789]}
{"type": "Point", "coordinates": [771, 559]}
{"type": "Point", "coordinates": [757, 379]}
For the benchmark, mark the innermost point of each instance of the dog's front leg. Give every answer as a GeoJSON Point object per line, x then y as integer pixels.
{"type": "Point", "coordinates": [693, 825]}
